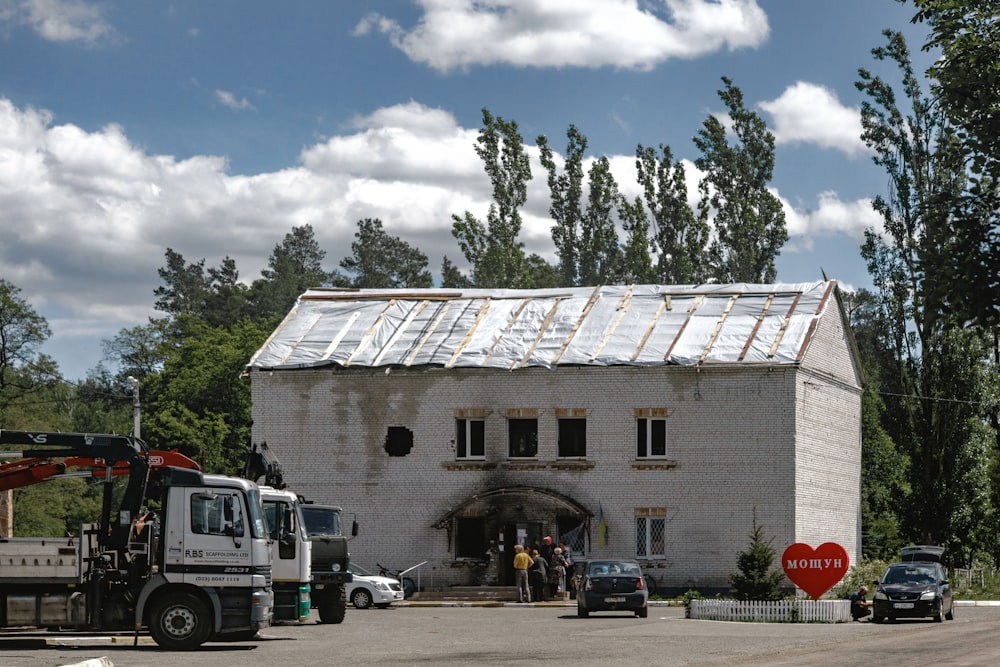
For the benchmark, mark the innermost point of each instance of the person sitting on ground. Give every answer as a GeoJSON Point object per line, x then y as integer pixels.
{"type": "Point", "coordinates": [860, 606]}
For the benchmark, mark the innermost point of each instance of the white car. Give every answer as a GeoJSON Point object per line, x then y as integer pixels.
{"type": "Point", "coordinates": [369, 589]}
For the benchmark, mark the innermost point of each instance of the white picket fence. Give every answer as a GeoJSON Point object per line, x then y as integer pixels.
{"type": "Point", "coordinates": [780, 611]}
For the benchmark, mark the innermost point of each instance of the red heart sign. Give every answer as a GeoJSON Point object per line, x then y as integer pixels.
{"type": "Point", "coordinates": [815, 570]}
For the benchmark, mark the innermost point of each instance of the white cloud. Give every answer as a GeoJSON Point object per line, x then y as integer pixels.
{"type": "Point", "coordinates": [808, 113]}
{"type": "Point", "coordinates": [58, 20]}
{"type": "Point", "coordinates": [831, 217]}
{"type": "Point", "coordinates": [230, 100]}
{"type": "Point", "coordinates": [632, 34]}
{"type": "Point", "coordinates": [89, 215]}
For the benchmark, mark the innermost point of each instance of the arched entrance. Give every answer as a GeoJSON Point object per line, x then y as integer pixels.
{"type": "Point", "coordinates": [486, 526]}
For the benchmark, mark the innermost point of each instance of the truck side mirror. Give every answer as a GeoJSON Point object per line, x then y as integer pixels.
{"type": "Point", "coordinates": [354, 528]}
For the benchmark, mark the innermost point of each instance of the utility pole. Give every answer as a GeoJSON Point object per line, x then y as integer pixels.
{"type": "Point", "coordinates": [134, 384]}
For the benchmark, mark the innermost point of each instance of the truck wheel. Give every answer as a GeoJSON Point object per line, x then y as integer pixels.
{"type": "Point", "coordinates": [332, 608]}
{"type": "Point", "coordinates": [361, 598]}
{"type": "Point", "coordinates": [180, 622]}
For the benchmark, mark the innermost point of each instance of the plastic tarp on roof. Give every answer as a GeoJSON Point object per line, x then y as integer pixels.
{"type": "Point", "coordinates": [640, 325]}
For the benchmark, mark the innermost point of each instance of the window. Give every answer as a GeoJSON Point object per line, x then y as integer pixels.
{"type": "Point", "coordinates": [572, 438]}
{"type": "Point", "coordinates": [650, 532]}
{"type": "Point", "coordinates": [470, 434]}
{"type": "Point", "coordinates": [522, 434]}
{"type": "Point", "coordinates": [651, 433]}
{"type": "Point", "coordinates": [216, 515]}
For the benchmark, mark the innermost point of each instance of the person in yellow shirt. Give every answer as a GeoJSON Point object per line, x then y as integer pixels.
{"type": "Point", "coordinates": [522, 561]}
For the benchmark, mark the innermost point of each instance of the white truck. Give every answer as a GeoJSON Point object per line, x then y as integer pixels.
{"type": "Point", "coordinates": [200, 571]}
{"type": "Point", "coordinates": [310, 551]}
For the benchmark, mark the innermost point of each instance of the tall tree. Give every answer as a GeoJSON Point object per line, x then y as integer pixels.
{"type": "Point", "coordinates": [295, 265]}
{"type": "Point", "coordinates": [637, 263]}
{"type": "Point", "coordinates": [749, 221]}
{"type": "Point", "coordinates": [566, 192]}
{"type": "Point", "coordinates": [680, 237]}
{"type": "Point", "coordinates": [380, 260]}
{"type": "Point", "coordinates": [965, 84]}
{"type": "Point", "coordinates": [493, 249]}
{"type": "Point", "coordinates": [452, 276]}
{"type": "Point", "coordinates": [931, 372]}
{"type": "Point", "coordinates": [24, 370]}
{"type": "Point", "coordinates": [600, 253]}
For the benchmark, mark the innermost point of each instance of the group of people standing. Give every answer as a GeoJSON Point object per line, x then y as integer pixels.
{"type": "Point", "coordinates": [541, 565]}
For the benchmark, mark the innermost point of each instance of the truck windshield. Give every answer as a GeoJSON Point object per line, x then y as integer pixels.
{"type": "Point", "coordinates": [258, 527]}
{"type": "Point", "coordinates": [321, 520]}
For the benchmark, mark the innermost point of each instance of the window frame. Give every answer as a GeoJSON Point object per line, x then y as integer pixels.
{"type": "Point", "coordinates": [646, 420]}
{"type": "Point", "coordinates": [470, 434]}
{"type": "Point", "coordinates": [645, 518]}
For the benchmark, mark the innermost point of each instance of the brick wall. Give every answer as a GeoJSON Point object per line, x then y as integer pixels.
{"type": "Point", "coordinates": [732, 434]}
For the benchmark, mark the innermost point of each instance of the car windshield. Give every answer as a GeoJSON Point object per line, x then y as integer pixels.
{"type": "Point", "coordinates": [613, 567]}
{"type": "Point", "coordinates": [358, 570]}
{"type": "Point", "coordinates": [909, 574]}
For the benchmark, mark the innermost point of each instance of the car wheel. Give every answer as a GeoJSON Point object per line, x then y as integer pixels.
{"type": "Point", "coordinates": [361, 598]}
{"type": "Point", "coordinates": [642, 613]}
{"type": "Point", "coordinates": [939, 617]}
{"type": "Point", "coordinates": [951, 612]}
{"type": "Point", "coordinates": [581, 612]}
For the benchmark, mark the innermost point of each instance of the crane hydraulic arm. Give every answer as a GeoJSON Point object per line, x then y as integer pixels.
{"type": "Point", "coordinates": [107, 451]}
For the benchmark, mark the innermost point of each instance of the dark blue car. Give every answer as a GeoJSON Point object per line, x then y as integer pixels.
{"type": "Point", "coordinates": [611, 585]}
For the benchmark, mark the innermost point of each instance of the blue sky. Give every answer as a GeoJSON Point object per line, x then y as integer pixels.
{"type": "Point", "coordinates": [213, 128]}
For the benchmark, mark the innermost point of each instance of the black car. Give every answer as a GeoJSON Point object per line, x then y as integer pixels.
{"type": "Point", "coordinates": [611, 585]}
{"type": "Point", "coordinates": [917, 587]}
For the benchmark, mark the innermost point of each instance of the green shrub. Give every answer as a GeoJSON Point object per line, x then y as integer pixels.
{"type": "Point", "coordinates": [864, 572]}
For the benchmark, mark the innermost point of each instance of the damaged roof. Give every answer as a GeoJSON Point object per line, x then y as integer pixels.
{"type": "Point", "coordinates": [639, 325]}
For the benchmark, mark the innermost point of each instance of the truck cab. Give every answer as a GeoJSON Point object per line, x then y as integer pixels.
{"type": "Point", "coordinates": [291, 554]}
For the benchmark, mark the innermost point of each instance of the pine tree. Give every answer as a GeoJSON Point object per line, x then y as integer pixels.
{"type": "Point", "coordinates": [756, 579]}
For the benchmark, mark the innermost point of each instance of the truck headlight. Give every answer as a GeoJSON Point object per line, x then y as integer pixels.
{"type": "Point", "coordinates": [336, 567]}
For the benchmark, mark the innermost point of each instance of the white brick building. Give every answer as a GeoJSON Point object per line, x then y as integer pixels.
{"type": "Point", "coordinates": [455, 423]}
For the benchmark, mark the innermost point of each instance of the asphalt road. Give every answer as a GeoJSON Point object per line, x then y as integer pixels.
{"type": "Point", "coordinates": [514, 634]}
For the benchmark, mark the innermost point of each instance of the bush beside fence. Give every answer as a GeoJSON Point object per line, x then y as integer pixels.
{"type": "Point", "coordinates": [780, 611]}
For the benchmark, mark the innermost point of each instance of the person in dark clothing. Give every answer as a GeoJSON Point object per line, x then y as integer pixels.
{"type": "Point", "coordinates": [860, 606]}
{"type": "Point", "coordinates": [537, 576]}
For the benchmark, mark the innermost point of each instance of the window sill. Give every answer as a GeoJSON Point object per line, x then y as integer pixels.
{"type": "Point", "coordinates": [528, 464]}
{"type": "Point", "coordinates": [654, 464]}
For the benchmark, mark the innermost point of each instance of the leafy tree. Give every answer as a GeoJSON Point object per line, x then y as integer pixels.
{"type": "Point", "coordinates": [493, 249]}
{"type": "Point", "coordinates": [601, 256]}
{"type": "Point", "coordinates": [452, 277]}
{"type": "Point", "coordinates": [213, 295]}
{"type": "Point", "coordinates": [680, 237]}
{"type": "Point", "coordinates": [566, 192]}
{"type": "Point", "coordinates": [931, 370]}
{"type": "Point", "coordinates": [637, 264]}
{"type": "Point", "coordinates": [199, 403]}
{"type": "Point", "coordinates": [757, 579]}
{"type": "Point", "coordinates": [380, 260]}
{"type": "Point", "coordinates": [24, 370]}
{"type": "Point", "coordinates": [185, 286]}
{"type": "Point", "coordinates": [139, 351]}
{"type": "Point", "coordinates": [749, 221]}
{"type": "Point", "coordinates": [965, 84]}
{"type": "Point", "coordinates": [294, 266]}
{"type": "Point", "coordinates": [56, 508]}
